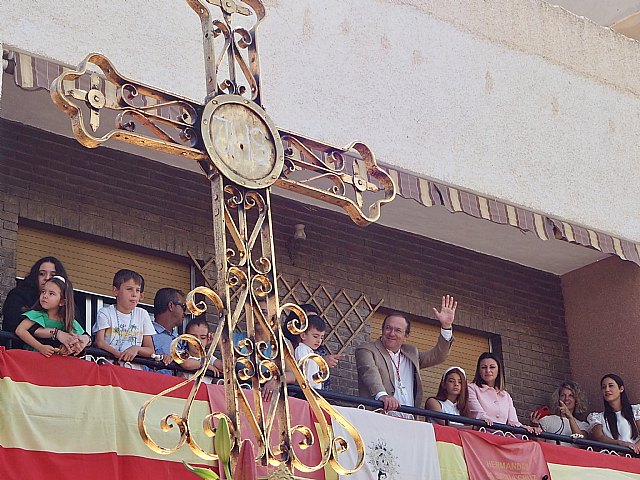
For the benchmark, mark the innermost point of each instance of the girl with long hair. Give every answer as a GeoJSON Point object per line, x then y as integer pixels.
{"type": "Point", "coordinates": [619, 424]}
{"type": "Point", "coordinates": [452, 396]}
{"type": "Point", "coordinates": [25, 295]}
{"type": "Point", "coordinates": [50, 326]}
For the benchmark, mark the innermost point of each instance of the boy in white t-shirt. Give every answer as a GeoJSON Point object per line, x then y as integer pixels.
{"type": "Point", "coordinates": [124, 329]}
{"type": "Point", "coordinates": [310, 340]}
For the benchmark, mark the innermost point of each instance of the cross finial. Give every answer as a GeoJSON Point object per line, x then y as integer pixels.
{"type": "Point", "coordinates": [230, 6]}
{"type": "Point", "coordinates": [231, 61]}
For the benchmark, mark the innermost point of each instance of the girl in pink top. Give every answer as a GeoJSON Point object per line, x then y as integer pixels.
{"type": "Point", "coordinates": [488, 400]}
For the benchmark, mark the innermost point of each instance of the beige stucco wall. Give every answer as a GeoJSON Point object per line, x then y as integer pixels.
{"type": "Point", "coordinates": [602, 316]}
{"type": "Point", "coordinates": [514, 99]}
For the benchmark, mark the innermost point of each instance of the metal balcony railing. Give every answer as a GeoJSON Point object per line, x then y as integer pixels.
{"type": "Point", "coordinates": [7, 339]}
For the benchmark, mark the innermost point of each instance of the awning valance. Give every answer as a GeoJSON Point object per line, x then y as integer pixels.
{"type": "Point", "coordinates": [430, 193]}
{"type": "Point", "coordinates": [32, 73]}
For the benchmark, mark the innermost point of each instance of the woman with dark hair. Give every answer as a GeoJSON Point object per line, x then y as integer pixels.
{"type": "Point", "coordinates": [25, 295]}
{"type": "Point", "coordinates": [619, 424]}
{"type": "Point", "coordinates": [488, 400]}
{"type": "Point", "coordinates": [452, 396]}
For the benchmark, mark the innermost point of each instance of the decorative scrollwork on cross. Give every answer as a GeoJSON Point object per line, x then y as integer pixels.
{"type": "Point", "coordinates": [242, 153]}
{"type": "Point", "coordinates": [348, 177]}
{"type": "Point", "coordinates": [169, 122]}
{"type": "Point", "coordinates": [234, 69]}
{"type": "Point", "coordinates": [182, 421]}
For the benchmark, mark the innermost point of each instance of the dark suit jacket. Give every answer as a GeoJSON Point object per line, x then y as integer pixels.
{"type": "Point", "coordinates": [376, 372]}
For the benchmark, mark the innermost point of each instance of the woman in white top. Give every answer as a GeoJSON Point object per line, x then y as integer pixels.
{"type": "Point", "coordinates": [568, 401]}
{"type": "Point", "coordinates": [451, 397]}
{"type": "Point", "coordinates": [619, 424]}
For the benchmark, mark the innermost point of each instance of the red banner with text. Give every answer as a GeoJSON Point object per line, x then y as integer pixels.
{"type": "Point", "coordinates": [490, 457]}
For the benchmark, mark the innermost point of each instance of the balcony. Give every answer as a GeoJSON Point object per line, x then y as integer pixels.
{"type": "Point", "coordinates": [64, 415]}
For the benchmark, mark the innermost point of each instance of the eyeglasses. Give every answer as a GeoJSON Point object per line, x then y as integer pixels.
{"type": "Point", "coordinates": [397, 331]}
{"type": "Point", "coordinates": [183, 305]}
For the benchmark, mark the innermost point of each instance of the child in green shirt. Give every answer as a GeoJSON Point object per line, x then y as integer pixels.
{"type": "Point", "coordinates": [50, 327]}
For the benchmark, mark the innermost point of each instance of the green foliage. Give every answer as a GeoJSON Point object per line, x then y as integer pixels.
{"type": "Point", "coordinates": [222, 445]}
{"type": "Point", "coordinates": [202, 472]}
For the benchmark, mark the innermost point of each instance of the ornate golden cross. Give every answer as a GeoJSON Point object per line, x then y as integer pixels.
{"type": "Point", "coordinates": [243, 154]}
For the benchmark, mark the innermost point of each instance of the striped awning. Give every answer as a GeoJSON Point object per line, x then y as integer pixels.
{"type": "Point", "coordinates": [32, 73]}
{"type": "Point", "coordinates": [430, 193]}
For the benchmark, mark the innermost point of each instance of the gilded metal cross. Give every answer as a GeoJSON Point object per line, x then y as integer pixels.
{"type": "Point", "coordinates": [243, 154]}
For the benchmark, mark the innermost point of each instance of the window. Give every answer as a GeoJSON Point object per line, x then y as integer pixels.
{"type": "Point", "coordinates": [91, 267]}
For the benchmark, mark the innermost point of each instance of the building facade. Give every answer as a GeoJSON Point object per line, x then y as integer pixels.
{"type": "Point", "coordinates": [503, 105]}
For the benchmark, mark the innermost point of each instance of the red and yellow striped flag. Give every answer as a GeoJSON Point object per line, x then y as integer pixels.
{"type": "Point", "coordinates": [63, 417]}
{"type": "Point", "coordinates": [68, 418]}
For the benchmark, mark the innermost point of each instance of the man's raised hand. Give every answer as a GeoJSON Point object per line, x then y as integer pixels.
{"type": "Point", "coordinates": [447, 311]}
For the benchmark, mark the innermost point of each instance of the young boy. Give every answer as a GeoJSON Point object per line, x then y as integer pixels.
{"type": "Point", "coordinates": [124, 329]}
{"type": "Point", "coordinates": [199, 328]}
{"type": "Point", "coordinates": [310, 340]}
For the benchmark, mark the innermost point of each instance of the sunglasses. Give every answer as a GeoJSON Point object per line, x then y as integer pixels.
{"type": "Point", "coordinates": [183, 305]}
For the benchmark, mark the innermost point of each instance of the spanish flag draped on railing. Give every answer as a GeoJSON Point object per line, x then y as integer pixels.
{"type": "Point", "coordinates": [63, 417]}
{"type": "Point", "coordinates": [68, 418]}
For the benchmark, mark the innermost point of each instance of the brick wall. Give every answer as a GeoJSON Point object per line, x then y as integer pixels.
{"type": "Point", "coordinates": [125, 198]}
{"type": "Point", "coordinates": [521, 305]}
{"type": "Point", "coordinates": [56, 181]}
{"type": "Point", "coordinates": [8, 238]}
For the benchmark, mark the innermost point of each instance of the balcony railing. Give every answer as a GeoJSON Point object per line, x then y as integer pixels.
{"type": "Point", "coordinates": [7, 340]}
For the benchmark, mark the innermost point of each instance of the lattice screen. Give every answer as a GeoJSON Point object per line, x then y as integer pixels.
{"type": "Point", "coordinates": [345, 312]}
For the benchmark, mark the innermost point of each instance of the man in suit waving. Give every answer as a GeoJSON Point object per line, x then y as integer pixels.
{"type": "Point", "coordinates": [388, 368]}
